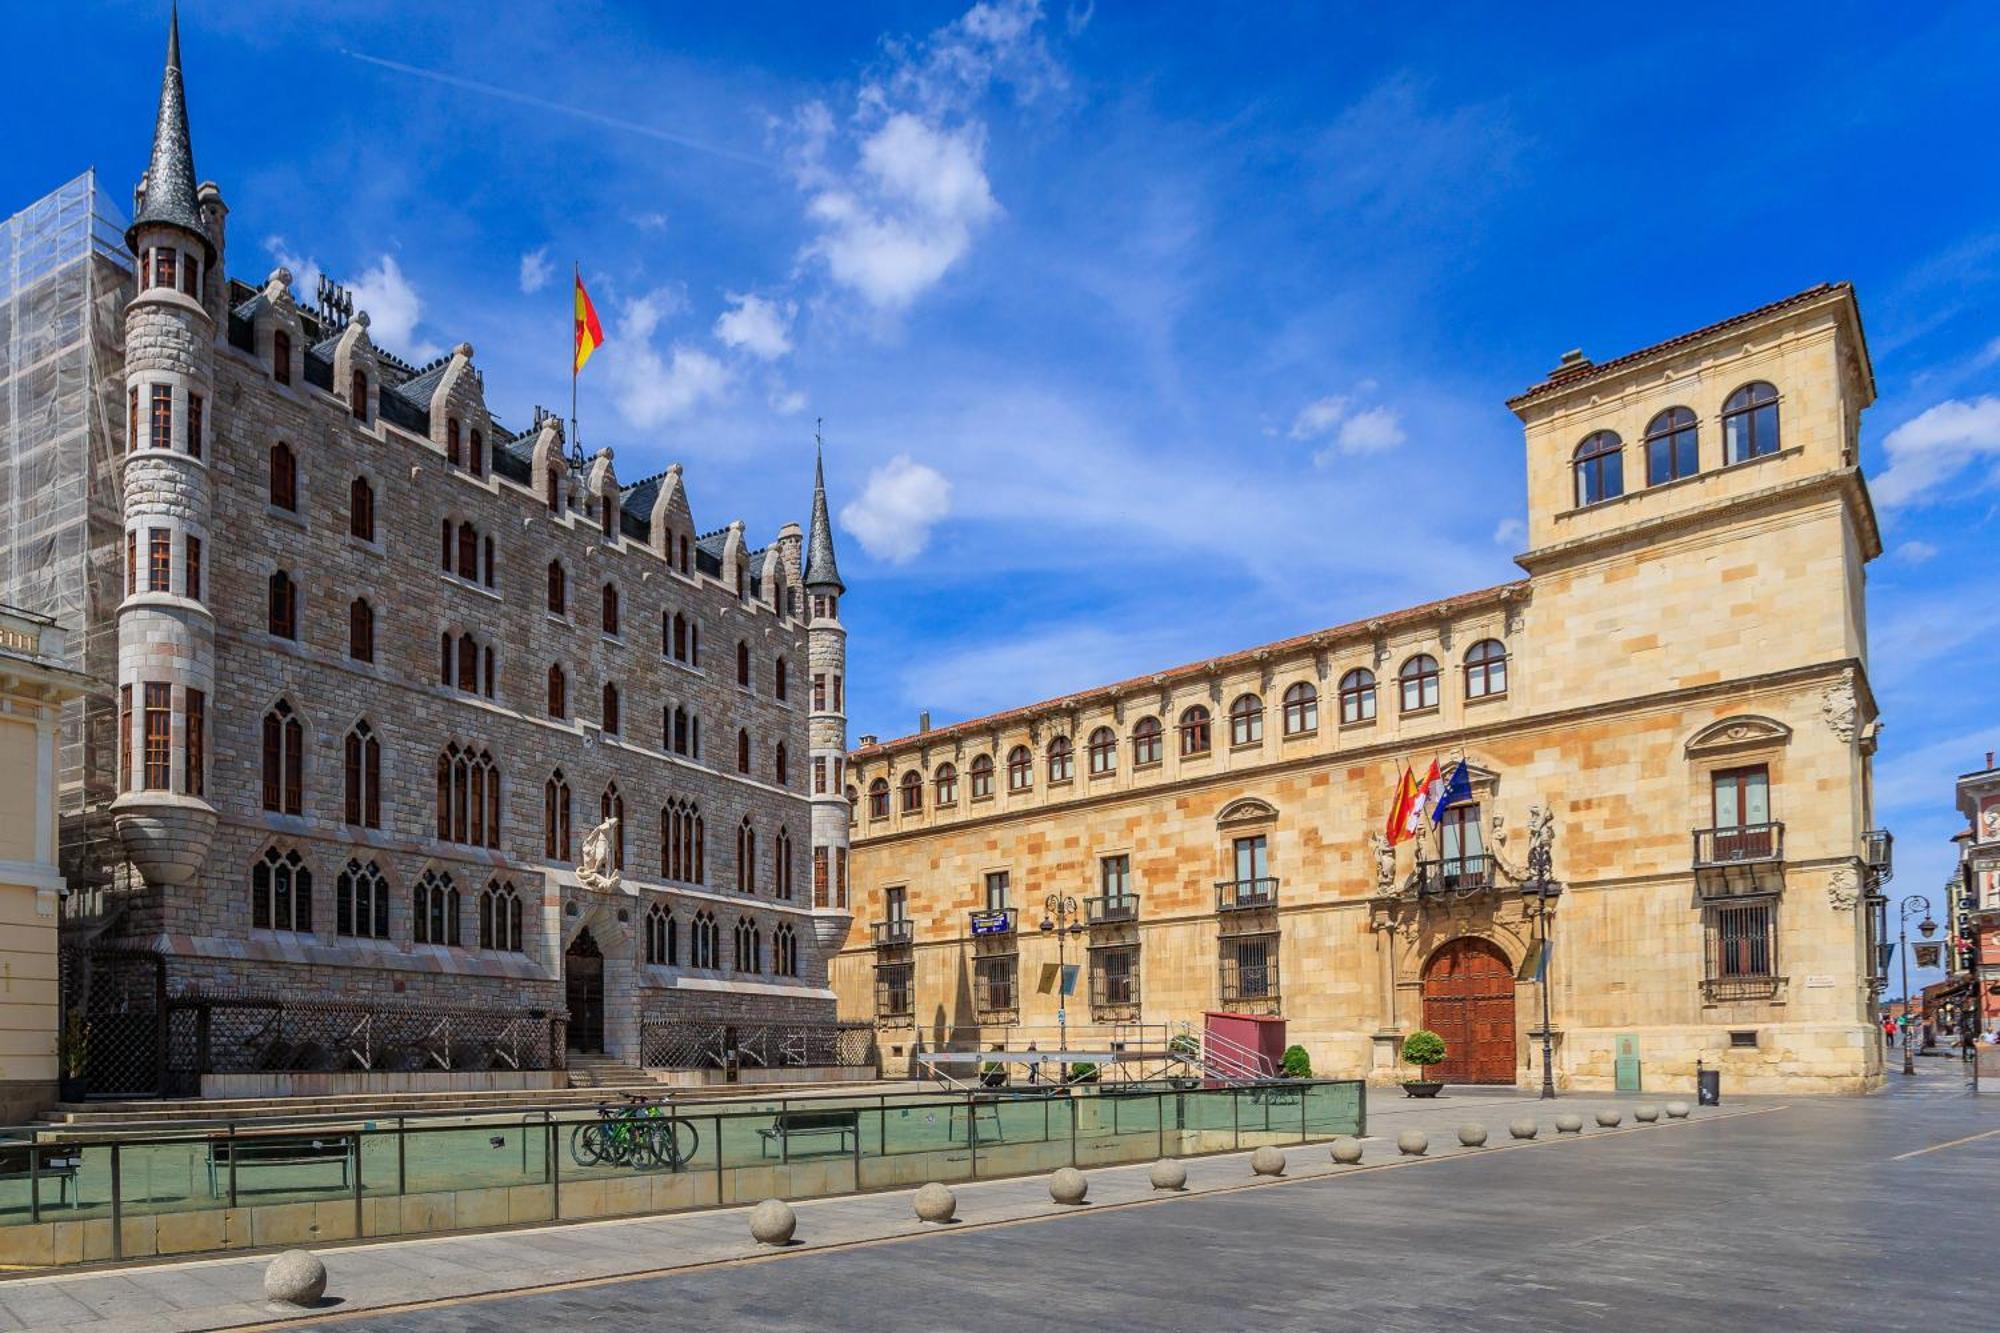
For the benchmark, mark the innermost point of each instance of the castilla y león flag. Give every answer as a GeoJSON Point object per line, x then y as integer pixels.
{"type": "Point", "coordinates": [1401, 805]}
{"type": "Point", "coordinates": [589, 333]}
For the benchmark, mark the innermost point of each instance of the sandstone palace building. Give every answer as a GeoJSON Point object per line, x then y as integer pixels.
{"type": "Point", "coordinates": [1673, 703]}
{"type": "Point", "coordinates": [407, 715]}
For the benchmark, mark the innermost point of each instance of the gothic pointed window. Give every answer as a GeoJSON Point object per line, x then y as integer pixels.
{"type": "Point", "coordinates": [610, 609]}
{"type": "Point", "coordinates": [749, 946]}
{"type": "Point", "coordinates": [282, 608]}
{"type": "Point", "coordinates": [742, 664]}
{"type": "Point", "coordinates": [681, 842]}
{"type": "Point", "coordinates": [361, 902]}
{"type": "Point", "coordinates": [781, 864]}
{"type": "Point", "coordinates": [780, 765]}
{"type": "Point", "coordinates": [500, 917]}
{"type": "Point", "coordinates": [779, 686]}
{"type": "Point", "coordinates": [662, 936]}
{"type": "Point", "coordinates": [477, 456]}
{"type": "Point", "coordinates": [558, 692]}
{"type": "Point", "coordinates": [361, 509]}
{"type": "Point", "coordinates": [785, 950]}
{"type": "Point", "coordinates": [434, 910]}
{"type": "Point", "coordinates": [281, 356]}
{"type": "Point", "coordinates": [704, 941]}
{"type": "Point", "coordinates": [361, 630]}
{"type": "Point", "coordinates": [609, 712]}
{"type": "Point", "coordinates": [742, 751]}
{"type": "Point", "coordinates": [284, 751]}
{"type": "Point", "coordinates": [451, 445]}
{"type": "Point", "coordinates": [468, 796]}
{"type": "Point", "coordinates": [746, 857]}
{"type": "Point", "coordinates": [556, 818]}
{"type": "Point", "coordinates": [468, 552]}
{"type": "Point", "coordinates": [611, 805]}
{"type": "Point", "coordinates": [357, 394]}
{"type": "Point", "coordinates": [284, 477]}
{"type": "Point", "coordinates": [558, 589]}
{"type": "Point", "coordinates": [361, 772]}
{"type": "Point", "coordinates": [281, 892]}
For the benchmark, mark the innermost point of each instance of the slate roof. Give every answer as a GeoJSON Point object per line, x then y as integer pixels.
{"type": "Point", "coordinates": [170, 180]}
{"type": "Point", "coordinates": [821, 568]}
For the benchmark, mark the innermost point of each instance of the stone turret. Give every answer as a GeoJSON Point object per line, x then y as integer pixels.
{"type": "Point", "coordinates": [826, 725]}
{"type": "Point", "coordinates": [166, 636]}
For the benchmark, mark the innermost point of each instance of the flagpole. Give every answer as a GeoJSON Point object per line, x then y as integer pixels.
{"type": "Point", "coordinates": [575, 281]}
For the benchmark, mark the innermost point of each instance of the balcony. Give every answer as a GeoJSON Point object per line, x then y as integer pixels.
{"type": "Point", "coordinates": [1245, 895]}
{"type": "Point", "coordinates": [1111, 908]}
{"type": "Point", "coordinates": [1729, 990]}
{"type": "Point", "coordinates": [1114, 995]}
{"type": "Point", "coordinates": [1455, 876]}
{"type": "Point", "coordinates": [893, 933]}
{"type": "Point", "coordinates": [986, 923]}
{"type": "Point", "coordinates": [1742, 845]}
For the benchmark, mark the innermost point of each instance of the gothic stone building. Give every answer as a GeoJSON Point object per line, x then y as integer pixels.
{"type": "Point", "coordinates": [417, 710]}
{"type": "Point", "coordinates": [1674, 702]}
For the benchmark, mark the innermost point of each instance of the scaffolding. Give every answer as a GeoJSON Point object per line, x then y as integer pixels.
{"type": "Point", "coordinates": [65, 278]}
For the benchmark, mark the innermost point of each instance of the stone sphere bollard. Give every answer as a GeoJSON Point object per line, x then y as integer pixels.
{"type": "Point", "coordinates": [1472, 1135]}
{"type": "Point", "coordinates": [1524, 1129]}
{"type": "Point", "coordinates": [772, 1222]}
{"type": "Point", "coordinates": [1609, 1118]}
{"type": "Point", "coordinates": [1569, 1123]}
{"type": "Point", "coordinates": [1168, 1174]}
{"type": "Point", "coordinates": [296, 1277]}
{"type": "Point", "coordinates": [1645, 1113]}
{"type": "Point", "coordinates": [1677, 1110]}
{"type": "Point", "coordinates": [1413, 1143]}
{"type": "Point", "coordinates": [1346, 1150]}
{"type": "Point", "coordinates": [936, 1203]}
{"type": "Point", "coordinates": [1067, 1185]}
{"type": "Point", "coordinates": [1267, 1161]}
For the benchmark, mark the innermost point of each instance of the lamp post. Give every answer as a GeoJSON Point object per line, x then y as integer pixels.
{"type": "Point", "coordinates": [1539, 888]}
{"type": "Point", "coordinates": [1061, 920]}
{"type": "Point", "coordinates": [1912, 905]}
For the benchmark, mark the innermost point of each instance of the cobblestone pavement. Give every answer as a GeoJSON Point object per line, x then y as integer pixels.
{"type": "Point", "coordinates": [1776, 1212]}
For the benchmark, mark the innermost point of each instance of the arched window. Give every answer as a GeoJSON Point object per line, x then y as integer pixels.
{"type": "Point", "coordinates": [281, 356]}
{"type": "Point", "coordinates": [1750, 423]}
{"type": "Point", "coordinates": [552, 487]}
{"type": "Point", "coordinates": [681, 732]}
{"type": "Point", "coordinates": [609, 712]}
{"type": "Point", "coordinates": [361, 902]}
{"type": "Point", "coordinates": [1600, 468]}
{"type": "Point", "coordinates": [558, 692]}
{"type": "Point", "coordinates": [662, 936]}
{"type": "Point", "coordinates": [913, 792]}
{"type": "Point", "coordinates": [610, 609]}
{"type": "Point", "coordinates": [1246, 720]}
{"type": "Point", "coordinates": [1062, 760]}
{"type": "Point", "coordinates": [878, 799]}
{"type": "Point", "coordinates": [1357, 696]}
{"type": "Point", "coordinates": [1301, 709]}
{"type": "Point", "coordinates": [679, 651]}
{"type": "Point", "coordinates": [704, 941]}
{"type": "Point", "coordinates": [1485, 669]}
{"type": "Point", "coordinates": [611, 805]}
{"type": "Point", "coordinates": [283, 607]}
{"type": "Point", "coordinates": [604, 517]}
{"type": "Point", "coordinates": [460, 663]}
{"type": "Point", "coordinates": [680, 842]}
{"type": "Point", "coordinates": [1148, 742]}
{"type": "Point", "coordinates": [434, 910]}
{"type": "Point", "coordinates": [1419, 680]}
{"type": "Point", "coordinates": [468, 796]}
{"type": "Point", "coordinates": [451, 445]}
{"type": "Point", "coordinates": [558, 589]}
{"type": "Point", "coordinates": [780, 686]}
{"type": "Point", "coordinates": [945, 780]}
{"type": "Point", "coordinates": [361, 509]}
{"type": "Point", "coordinates": [1102, 749]}
{"type": "Point", "coordinates": [1670, 446]}
{"type": "Point", "coordinates": [982, 777]}
{"type": "Point", "coordinates": [785, 950]}
{"type": "Point", "coordinates": [780, 765]}
{"type": "Point", "coordinates": [284, 477]}
{"type": "Point", "coordinates": [362, 772]}
{"type": "Point", "coordinates": [1020, 769]}
{"type": "Point", "coordinates": [1195, 738]}
{"type": "Point", "coordinates": [749, 946]}
{"type": "Point", "coordinates": [499, 910]}
{"type": "Point", "coordinates": [478, 453]}
{"type": "Point", "coordinates": [742, 751]}
{"type": "Point", "coordinates": [781, 864]}
{"type": "Point", "coordinates": [357, 394]}
{"type": "Point", "coordinates": [743, 664]}
{"type": "Point", "coordinates": [284, 760]}
{"type": "Point", "coordinates": [556, 817]}
{"type": "Point", "coordinates": [468, 552]}
{"type": "Point", "coordinates": [281, 893]}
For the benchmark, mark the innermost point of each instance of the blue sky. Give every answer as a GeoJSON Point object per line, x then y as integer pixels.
{"type": "Point", "coordinates": [1140, 332]}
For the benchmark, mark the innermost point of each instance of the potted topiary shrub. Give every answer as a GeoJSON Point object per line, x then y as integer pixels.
{"type": "Point", "coordinates": [1186, 1048]}
{"type": "Point", "coordinates": [1422, 1048]}
{"type": "Point", "coordinates": [993, 1074]}
{"type": "Point", "coordinates": [1296, 1063]}
{"type": "Point", "coordinates": [1083, 1072]}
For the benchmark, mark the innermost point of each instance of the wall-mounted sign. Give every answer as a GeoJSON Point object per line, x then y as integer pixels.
{"type": "Point", "coordinates": [1928, 954]}
{"type": "Point", "coordinates": [992, 923]}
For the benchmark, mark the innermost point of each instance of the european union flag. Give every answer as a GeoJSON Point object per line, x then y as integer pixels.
{"type": "Point", "coordinates": [1457, 791]}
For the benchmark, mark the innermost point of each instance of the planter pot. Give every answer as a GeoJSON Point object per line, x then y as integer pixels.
{"type": "Point", "coordinates": [1422, 1088]}
{"type": "Point", "coordinates": [72, 1088]}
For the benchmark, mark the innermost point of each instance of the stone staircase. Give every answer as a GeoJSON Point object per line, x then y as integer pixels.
{"type": "Point", "coordinates": [607, 1072]}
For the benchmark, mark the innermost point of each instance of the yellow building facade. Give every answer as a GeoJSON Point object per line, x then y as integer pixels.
{"type": "Point", "coordinates": [33, 685]}
{"type": "Point", "coordinates": [1669, 716]}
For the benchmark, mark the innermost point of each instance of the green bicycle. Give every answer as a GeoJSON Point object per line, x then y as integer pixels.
{"type": "Point", "coordinates": [642, 1135]}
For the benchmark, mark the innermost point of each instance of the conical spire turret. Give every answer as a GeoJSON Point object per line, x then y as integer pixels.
{"type": "Point", "coordinates": [822, 570]}
{"type": "Point", "coordinates": [169, 196]}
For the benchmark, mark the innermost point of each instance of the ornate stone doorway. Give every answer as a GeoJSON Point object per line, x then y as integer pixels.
{"type": "Point", "coordinates": [583, 987]}
{"type": "Point", "coordinates": [1469, 1001]}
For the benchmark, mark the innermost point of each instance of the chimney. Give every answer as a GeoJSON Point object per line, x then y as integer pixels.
{"type": "Point", "coordinates": [1573, 363]}
{"type": "Point", "coordinates": [924, 725]}
{"type": "Point", "coordinates": [1989, 758]}
{"type": "Point", "coordinates": [866, 741]}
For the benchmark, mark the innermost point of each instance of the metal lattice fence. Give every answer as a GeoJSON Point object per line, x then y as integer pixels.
{"type": "Point", "coordinates": [685, 1044]}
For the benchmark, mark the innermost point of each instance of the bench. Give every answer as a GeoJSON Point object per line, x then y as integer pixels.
{"type": "Point", "coordinates": [277, 1150]}
{"type": "Point", "coordinates": [24, 1161]}
{"type": "Point", "coordinates": [807, 1124]}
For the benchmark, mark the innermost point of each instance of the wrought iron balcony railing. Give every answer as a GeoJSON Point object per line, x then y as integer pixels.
{"type": "Point", "coordinates": [894, 995]}
{"type": "Point", "coordinates": [1244, 895]}
{"type": "Point", "coordinates": [1723, 990]}
{"type": "Point", "coordinates": [1457, 875]}
{"type": "Point", "coordinates": [1742, 845]}
{"type": "Point", "coordinates": [1255, 983]}
{"type": "Point", "coordinates": [1109, 908]}
{"type": "Point", "coordinates": [889, 934]}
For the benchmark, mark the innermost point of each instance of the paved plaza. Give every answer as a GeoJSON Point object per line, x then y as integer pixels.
{"type": "Point", "coordinates": [1779, 1212]}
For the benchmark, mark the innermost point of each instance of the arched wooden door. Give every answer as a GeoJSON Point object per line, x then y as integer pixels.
{"type": "Point", "coordinates": [583, 989]}
{"type": "Point", "coordinates": [1469, 1001]}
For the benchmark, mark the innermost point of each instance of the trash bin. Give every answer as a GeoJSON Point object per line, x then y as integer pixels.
{"type": "Point", "coordinates": [1708, 1087]}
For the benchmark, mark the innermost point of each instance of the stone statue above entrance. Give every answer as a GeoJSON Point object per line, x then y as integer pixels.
{"type": "Point", "coordinates": [595, 870]}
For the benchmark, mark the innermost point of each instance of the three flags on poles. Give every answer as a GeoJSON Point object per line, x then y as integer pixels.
{"type": "Point", "coordinates": [1420, 801]}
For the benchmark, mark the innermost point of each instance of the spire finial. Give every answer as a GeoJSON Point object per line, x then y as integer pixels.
{"type": "Point", "coordinates": [170, 198]}
{"type": "Point", "coordinates": [821, 567]}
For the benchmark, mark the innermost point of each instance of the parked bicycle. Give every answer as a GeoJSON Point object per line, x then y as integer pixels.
{"type": "Point", "coordinates": [641, 1134]}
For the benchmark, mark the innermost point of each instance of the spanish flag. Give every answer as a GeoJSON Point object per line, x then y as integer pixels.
{"type": "Point", "coordinates": [589, 333]}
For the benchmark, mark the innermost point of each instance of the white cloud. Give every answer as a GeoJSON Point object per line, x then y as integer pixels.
{"type": "Point", "coordinates": [757, 326]}
{"type": "Point", "coordinates": [786, 402]}
{"type": "Point", "coordinates": [650, 221]}
{"type": "Point", "coordinates": [1374, 431]}
{"type": "Point", "coordinates": [897, 509]}
{"type": "Point", "coordinates": [1915, 551]}
{"type": "Point", "coordinates": [1319, 416]}
{"type": "Point", "coordinates": [305, 271]}
{"type": "Point", "coordinates": [1509, 532]}
{"type": "Point", "coordinates": [394, 309]}
{"type": "Point", "coordinates": [535, 270]}
{"type": "Point", "coordinates": [1930, 448]}
{"type": "Point", "coordinates": [641, 315]}
{"type": "Point", "coordinates": [652, 389]}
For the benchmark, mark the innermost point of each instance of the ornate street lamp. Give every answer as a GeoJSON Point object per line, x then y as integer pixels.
{"type": "Point", "coordinates": [1062, 920]}
{"type": "Point", "coordinates": [1539, 890]}
{"type": "Point", "coordinates": [1912, 905]}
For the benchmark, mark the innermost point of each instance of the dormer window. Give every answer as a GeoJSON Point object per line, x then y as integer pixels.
{"type": "Point", "coordinates": [451, 441]}
{"type": "Point", "coordinates": [605, 513]}
{"type": "Point", "coordinates": [478, 456]}
{"type": "Point", "coordinates": [281, 356]}
{"type": "Point", "coordinates": [357, 395]}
